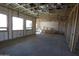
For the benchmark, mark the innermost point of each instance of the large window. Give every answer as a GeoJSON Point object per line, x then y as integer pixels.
{"type": "Point", "coordinates": [28, 24]}
{"type": "Point", "coordinates": [3, 22]}
{"type": "Point", "coordinates": [17, 23]}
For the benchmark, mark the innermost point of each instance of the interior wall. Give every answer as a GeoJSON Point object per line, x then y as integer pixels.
{"type": "Point", "coordinates": [3, 36]}
{"type": "Point", "coordinates": [11, 34]}
{"type": "Point", "coordinates": [76, 36]}
{"type": "Point", "coordinates": [56, 21]}
{"type": "Point", "coordinates": [47, 22]}
{"type": "Point", "coordinates": [72, 23]}
{"type": "Point", "coordinates": [62, 24]}
{"type": "Point", "coordinates": [49, 25]}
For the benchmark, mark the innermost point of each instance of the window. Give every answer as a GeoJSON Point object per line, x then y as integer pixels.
{"type": "Point", "coordinates": [17, 23]}
{"type": "Point", "coordinates": [28, 24]}
{"type": "Point", "coordinates": [3, 22]}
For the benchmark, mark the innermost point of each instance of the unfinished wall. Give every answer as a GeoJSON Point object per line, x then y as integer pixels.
{"type": "Point", "coordinates": [54, 21]}
{"type": "Point", "coordinates": [71, 27]}
{"type": "Point", "coordinates": [10, 34]}
{"type": "Point", "coordinates": [76, 36]}
{"type": "Point", "coordinates": [46, 22]}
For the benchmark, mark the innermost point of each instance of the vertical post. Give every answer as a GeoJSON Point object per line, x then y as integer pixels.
{"type": "Point", "coordinates": [8, 23]}
{"type": "Point", "coordinates": [75, 23]}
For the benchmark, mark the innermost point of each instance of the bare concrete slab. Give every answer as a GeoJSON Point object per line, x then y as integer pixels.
{"type": "Point", "coordinates": [37, 45]}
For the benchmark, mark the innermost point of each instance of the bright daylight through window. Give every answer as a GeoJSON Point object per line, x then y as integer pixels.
{"type": "Point", "coordinates": [28, 24]}
{"type": "Point", "coordinates": [3, 22]}
{"type": "Point", "coordinates": [17, 23]}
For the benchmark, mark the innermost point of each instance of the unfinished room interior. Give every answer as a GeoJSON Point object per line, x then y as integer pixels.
{"type": "Point", "coordinates": [39, 29]}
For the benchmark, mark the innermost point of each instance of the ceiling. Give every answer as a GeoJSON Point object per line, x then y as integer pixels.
{"type": "Point", "coordinates": [36, 9]}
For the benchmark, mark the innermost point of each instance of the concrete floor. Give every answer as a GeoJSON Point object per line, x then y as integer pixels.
{"type": "Point", "coordinates": [36, 45]}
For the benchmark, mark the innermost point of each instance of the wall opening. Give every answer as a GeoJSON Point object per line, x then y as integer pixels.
{"type": "Point", "coordinates": [28, 25]}
{"type": "Point", "coordinates": [3, 22]}
{"type": "Point", "coordinates": [17, 23]}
